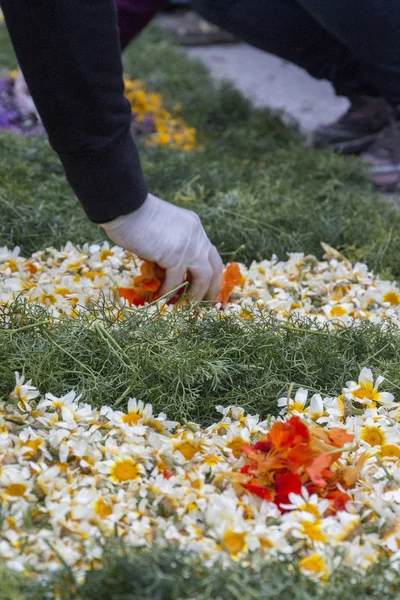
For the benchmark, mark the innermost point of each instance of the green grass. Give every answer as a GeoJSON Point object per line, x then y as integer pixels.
{"type": "Point", "coordinates": [165, 574]}
{"type": "Point", "coordinates": [185, 366]}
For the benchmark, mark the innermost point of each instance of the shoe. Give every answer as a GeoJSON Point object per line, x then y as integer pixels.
{"type": "Point", "coordinates": [356, 129]}
{"type": "Point", "coordinates": [382, 158]}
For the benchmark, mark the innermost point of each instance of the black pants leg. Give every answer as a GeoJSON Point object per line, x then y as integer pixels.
{"type": "Point", "coordinates": [289, 30]}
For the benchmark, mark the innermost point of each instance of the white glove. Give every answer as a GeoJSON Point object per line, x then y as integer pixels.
{"type": "Point", "coordinates": [23, 99]}
{"type": "Point", "coordinates": [174, 238]}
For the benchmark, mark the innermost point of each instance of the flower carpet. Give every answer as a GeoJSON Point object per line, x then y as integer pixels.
{"type": "Point", "coordinates": [71, 280]}
{"type": "Point", "coordinates": [153, 448]}
{"type": "Point", "coordinates": [319, 483]}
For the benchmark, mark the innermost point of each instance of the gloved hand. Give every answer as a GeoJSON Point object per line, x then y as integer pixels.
{"type": "Point", "coordinates": [174, 238]}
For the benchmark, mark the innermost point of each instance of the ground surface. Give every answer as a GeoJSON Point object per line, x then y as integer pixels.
{"type": "Point", "coordinates": [266, 79]}
{"type": "Point", "coordinates": [275, 83]}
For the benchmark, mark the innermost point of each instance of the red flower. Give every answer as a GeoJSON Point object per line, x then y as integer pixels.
{"type": "Point", "coordinates": [263, 446]}
{"type": "Point", "coordinates": [260, 491]}
{"type": "Point", "coordinates": [295, 455]}
{"type": "Point", "coordinates": [286, 484]}
{"type": "Point", "coordinates": [338, 501]}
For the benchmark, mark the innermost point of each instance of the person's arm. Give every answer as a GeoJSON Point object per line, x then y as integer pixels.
{"type": "Point", "coordinates": [71, 58]}
{"type": "Point", "coordinates": [70, 55]}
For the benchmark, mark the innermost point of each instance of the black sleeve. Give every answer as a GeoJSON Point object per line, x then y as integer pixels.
{"type": "Point", "coordinates": [70, 55]}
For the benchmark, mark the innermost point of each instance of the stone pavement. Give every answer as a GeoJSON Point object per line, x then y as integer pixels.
{"type": "Point", "coordinates": [273, 82]}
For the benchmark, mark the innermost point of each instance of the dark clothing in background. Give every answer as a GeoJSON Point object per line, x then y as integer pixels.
{"type": "Point", "coordinates": [70, 54]}
{"type": "Point", "coordinates": [133, 16]}
{"type": "Point", "coordinates": [354, 44]}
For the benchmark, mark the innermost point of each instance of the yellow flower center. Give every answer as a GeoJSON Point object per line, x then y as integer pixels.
{"type": "Point", "coordinates": [298, 407]}
{"type": "Point", "coordinates": [132, 418]}
{"type": "Point", "coordinates": [235, 543]}
{"type": "Point", "coordinates": [373, 435]}
{"type": "Point", "coordinates": [104, 254]}
{"type": "Point", "coordinates": [62, 291]}
{"type": "Point", "coordinates": [310, 508]}
{"type": "Point", "coordinates": [314, 564]}
{"type": "Point", "coordinates": [392, 297]}
{"type": "Point", "coordinates": [338, 311]}
{"type": "Point", "coordinates": [125, 470]}
{"type": "Point", "coordinates": [157, 425]}
{"type": "Point", "coordinates": [368, 391]}
{"type": "Point", "coordinates": [236, 446]}
{"type": "Point", "coordinates": [102, 509]}
{"type": "Point", "coordinates": [188, 449]}
{"type": "Point", "coordinates": [390, 450]}
{"type": "Point", "coordinates": [313, 531]}
{"type": "Point", "coordinates": [17, 490]}
{"type": "Point", "coordinates": [212, 460]}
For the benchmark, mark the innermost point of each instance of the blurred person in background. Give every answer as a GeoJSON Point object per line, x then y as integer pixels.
{"type": "Point", "coordinates": [355, 46]}
{"type": "Point", "coordinates": [70, 55]}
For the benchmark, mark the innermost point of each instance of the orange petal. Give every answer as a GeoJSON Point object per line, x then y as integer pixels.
{"type": "Point", "coordinates": [339, 437]}
{"type": "Point", "coordinates": [152, 286]}
{"type": "Point", "coordinates": [317, 468]}
{"type": "Point", "coordinates": [281, 435]}
{"type": "Point", "coordinates": [231, 278]}
{"type": "Point", "coordinates": [131, 296]}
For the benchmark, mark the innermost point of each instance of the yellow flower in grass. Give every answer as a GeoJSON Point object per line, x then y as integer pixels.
{"type": "Point", "coordinates": [295, 406]}
{"type": "Point", "coordinates": [102, 508]}
{"type": "Point", "coordinates": [23, 392]}
{"type": "Point", "coordinates": [15, 490]}
{"type": "Point", "coordinates": [234, 542]}
{"type": "Point", "coordinates": [126, 469]}
{"type": "Point", "coordinates": [392, 297]}
{"type": "Point", "coordinates": [137, 411]}
{"type": "Point", "coordinates": [314, 565]}
{"type": "Point", "coordinates": [390, 451]}
{"type": "Point", "coordinates": [365, 391]}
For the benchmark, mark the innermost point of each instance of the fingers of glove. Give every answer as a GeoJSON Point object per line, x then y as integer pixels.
{"type": "Point", "coordinates": [217, 266]}
{"type": "Point", "coordinates": [201, 276]}
{"type": "Point", "coordinates": [174, 277]}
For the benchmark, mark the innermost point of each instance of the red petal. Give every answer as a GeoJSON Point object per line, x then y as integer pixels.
{"type": "Point", "coordinates": [301, 430]}
{"type": "Point", "coordinates": [338, 501]}
{"type": "Point", "coordinates": [258, 490]}
{"type": "Point", "coordinates": [231, 278]}
{"type": "Point", "coordinates": [300, 455]}
{"type": "Point", "coordinates": [289, 483]}
{"type": "Point", "coordinates": [263, 446]}
{"type": "Point", "coordinates": [339, 437]}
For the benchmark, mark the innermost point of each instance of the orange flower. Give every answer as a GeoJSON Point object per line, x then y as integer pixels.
{"type": "Point", "coordinates": [319, 469]}
{"type": "Point", "coordinates": [294, 455]}
{"type": "Point", "coordinates": [145, 286]}
{"type": "Point", "coordinates": [231, 278]}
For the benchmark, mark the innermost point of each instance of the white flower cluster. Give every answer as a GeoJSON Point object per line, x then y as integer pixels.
{"type": "Point", "coordinates": [71, 476]}
{"type": "Point", "coordinates": [74, 279]}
